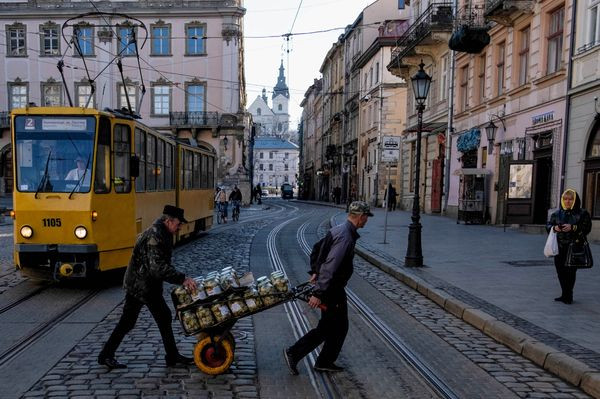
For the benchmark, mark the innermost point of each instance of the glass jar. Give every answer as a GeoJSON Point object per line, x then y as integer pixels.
{"type": "Point", "coordinates": [228, 278]}
{"type": "Point", "coordinates": [266, 291]}
{"type": "Point", "coordinates": [198, 293]}
{"type": "Point", "coordinates": [237, 305]}
{"type": "Point", "coordinates": [252, 299]}
{"type": "Point", "coordinates": [211, 286]}
{"type": "Point", "coordinates": [221, 312]}
{"type": "Point", "coordinates": [280, 281]}
{"type": "Point", "coordinates": [205, 317]}
{"type": "Point", "coordinates": [183, 297]}
{"type": "Point", "coordinates": [190, 322]}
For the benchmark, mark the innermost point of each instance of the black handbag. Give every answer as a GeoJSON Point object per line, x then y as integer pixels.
{"type": "Point", "coordinates": [579, 255]}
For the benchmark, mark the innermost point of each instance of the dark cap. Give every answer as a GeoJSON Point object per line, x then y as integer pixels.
{"type": "Point", "coordinates": [174, 212]}
{"type": "Point", "coordinates": [360, 208]}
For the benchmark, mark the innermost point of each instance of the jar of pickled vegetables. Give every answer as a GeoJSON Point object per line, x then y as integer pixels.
{"type": "Point", "coordinates": [205, 317]}
{"type": "Point", "coordinates": [221, 312]}
{"type": "Point", "coordinates": [190, 322]}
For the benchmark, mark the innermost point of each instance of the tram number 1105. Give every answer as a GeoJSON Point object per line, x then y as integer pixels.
{"type": "Point", "coordinates": [51, 222]}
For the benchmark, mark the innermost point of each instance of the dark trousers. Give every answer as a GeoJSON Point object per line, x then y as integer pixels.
{"type": "Point", "coordinates": [131, 310]}
{"type": "Point", "coordinates": [566, 275]}
{"type": "Point", "coordinates": [331, 330]}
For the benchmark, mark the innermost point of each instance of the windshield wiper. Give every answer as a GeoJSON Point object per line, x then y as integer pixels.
{"type": "Point", "coordinates": [82, 176]}
{"type": "Point", "coordinates": [45, 182]}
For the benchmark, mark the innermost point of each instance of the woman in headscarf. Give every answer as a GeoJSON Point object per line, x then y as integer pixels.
{"type": "Point", "coordinates": [571, 224]}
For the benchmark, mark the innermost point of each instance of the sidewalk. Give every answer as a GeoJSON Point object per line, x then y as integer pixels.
{"type": "Point", "coordinates": [501, 283]}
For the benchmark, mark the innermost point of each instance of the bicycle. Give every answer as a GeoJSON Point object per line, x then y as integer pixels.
{"type": "Point", "coordinates": [235, 212]}
{"type": "Point", "coordinates": [221, 212]}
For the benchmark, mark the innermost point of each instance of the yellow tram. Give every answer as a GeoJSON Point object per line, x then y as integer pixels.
{"type": "Point", "coordinates": [87, 182]}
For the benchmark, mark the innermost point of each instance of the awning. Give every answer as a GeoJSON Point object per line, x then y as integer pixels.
{"type": "Point", "coordinates": [468, 141]}
{"type": "Point", "coordinates": [472, 171]}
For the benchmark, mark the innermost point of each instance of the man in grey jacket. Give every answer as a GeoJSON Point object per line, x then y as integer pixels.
{"type": "Point", "coordinates": [149, 266]}
{"type": "Point", "coordinates": [330, 280]}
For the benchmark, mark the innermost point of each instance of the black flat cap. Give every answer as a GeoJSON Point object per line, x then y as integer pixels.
{"type": "Point", "coordinates": [174, 212]}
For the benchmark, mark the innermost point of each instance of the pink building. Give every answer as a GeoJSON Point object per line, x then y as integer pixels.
{"type": "Point", "coordinates": [190, 64]}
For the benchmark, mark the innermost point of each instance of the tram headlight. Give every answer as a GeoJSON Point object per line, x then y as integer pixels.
{"type": "Point", "coordinates": [26, 231]}
{"type": "Point", "coordinates": [80, 232]}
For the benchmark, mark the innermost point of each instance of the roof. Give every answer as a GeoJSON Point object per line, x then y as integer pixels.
{"type": "Point", "coordinates": [264, 143]}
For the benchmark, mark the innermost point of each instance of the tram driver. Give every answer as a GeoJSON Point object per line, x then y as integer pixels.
{"type": "Point", "coordinates": [79, 172]}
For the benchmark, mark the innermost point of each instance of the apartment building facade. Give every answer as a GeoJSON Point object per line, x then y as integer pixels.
{"type": "Point", "coordinates": [185, 56]}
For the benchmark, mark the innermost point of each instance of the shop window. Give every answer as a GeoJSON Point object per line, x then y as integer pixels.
{"type": "Point", "coordinates": [591, 194]}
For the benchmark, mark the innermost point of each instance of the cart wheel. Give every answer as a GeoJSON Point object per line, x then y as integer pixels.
{"type": "Point", "coordinates": [213, 358]}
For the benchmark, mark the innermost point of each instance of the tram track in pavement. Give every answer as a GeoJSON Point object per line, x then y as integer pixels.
{"type": "Point", "coordinates": [385, 333]}
{"type": "Point", "coordinates": [24, 298]}
{"type": "Point", "coordinates": [40, 331]}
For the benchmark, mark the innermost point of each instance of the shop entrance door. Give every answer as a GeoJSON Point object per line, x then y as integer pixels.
{"type": "Point", "coordinates": [543, 185]}
{"type": "Point", "coordinates": [519, 202]}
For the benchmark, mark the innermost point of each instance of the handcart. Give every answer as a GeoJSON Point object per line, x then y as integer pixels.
{"type": "Point", "coordinates": [214, 352]}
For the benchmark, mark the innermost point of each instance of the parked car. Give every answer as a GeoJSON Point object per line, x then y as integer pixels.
{"type": "Point", "coordinates": [265, 193]}
{"type": "Point", "coordinates": [287, 191]}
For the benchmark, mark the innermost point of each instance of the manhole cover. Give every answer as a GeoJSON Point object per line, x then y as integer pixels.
{"type": "Point", "coordinates": [529, 263]}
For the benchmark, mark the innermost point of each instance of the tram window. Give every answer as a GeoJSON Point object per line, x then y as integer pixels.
{"type": "Point", "coordinates": [196, 171]}
{"type": "Point", "coordinates": [169, 167]}
{"type": "Point", "coordinates": [205, 171]}
{"type": "Point", "coordinates": [151, 163]}
{"type": "Point", "coordinates": [160, 162]}
{"type": "Point", "coordinates": [200, 171]}
{"type": "Point", "coordinates": [102, 174]}
{"type": "Point", "coordinates": [140, 151]}
{"type": "Point", "coordinates": [188, 170]}
{"type": "Point", "coordinates": [211, 172]}
{"type": "Point", "coordinates": [122, 144]}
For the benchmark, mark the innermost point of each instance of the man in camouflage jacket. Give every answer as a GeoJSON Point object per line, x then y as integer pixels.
{"type": "Point", "coordinates": [149, 266]}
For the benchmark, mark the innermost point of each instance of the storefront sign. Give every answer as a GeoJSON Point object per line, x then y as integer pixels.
{"type": "Point", "coordinates": [543, 118]}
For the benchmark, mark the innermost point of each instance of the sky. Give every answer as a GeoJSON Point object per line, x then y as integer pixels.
{"type": "Point", "coordinates": [263, 55]}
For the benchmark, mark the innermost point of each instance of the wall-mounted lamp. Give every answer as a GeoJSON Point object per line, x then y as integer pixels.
{"type": "Point", "coordinates": [225, 142]}
{"type": "Point", "coordinates": [491, 128]}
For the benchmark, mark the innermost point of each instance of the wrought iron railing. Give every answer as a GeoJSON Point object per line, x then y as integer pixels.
{"type": "Point", "coordinates": [4, 120]}
{"type": "Point", "coordinates": [472, 16]}
{"type": "Point", "coordinates": [492, 6]}
{"type": "Point", "coordinates": [437, 17]}
{"type": "Point", "coordinates": [194, 118]}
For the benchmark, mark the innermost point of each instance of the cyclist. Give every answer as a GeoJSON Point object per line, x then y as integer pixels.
{"type": "Point", "coordinates": [222, 204]}
{"type": "Point", "coordinates": [235, 198]}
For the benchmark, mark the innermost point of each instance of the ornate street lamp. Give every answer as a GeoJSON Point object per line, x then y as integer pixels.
{"type": "Point", "coordinates": [491, 129]}
{"type": "Point", "coordinates": [414, 253]}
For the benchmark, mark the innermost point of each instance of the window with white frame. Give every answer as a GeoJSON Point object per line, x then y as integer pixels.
{"type": "Point", "coordinates": [555, 41]}
{"type": "Point", "coordinates": [444, 77]}
{"type": "Point", "coordinates": [500, 69]}
{"type": "Point", "coordinates": [377, 72]}
{"type": "Point", "coordinates": [195, 94]}
{"type": "Point", "coordinates": [16, 40]}
{"type": "Point", "coordinates": [126, 47]}
{"type": "Point", "coordinates": [49, 40]}
{"type": "Point", "coordinates": [481, 77]}
{"type": "Point", "coordinates": [161, 40]}
{"type": "Point", "coordinates": [161, 100]}
{"type": "Point", "coordinates": [131, 94]}
{"type": "Point", "coordinates": [593, 29]}
{"type": "Point", "coordinates": [84, 35]}
{"type": "Point", "coordinates": [524, 56]}
{"type": "Point", "coordinates": [51, 94]}
{"type": "Point", "coordinates": [18, 95]}
{"type": "Point", "coordinates": [262, 155]}
{"type": "Point", "coordinates": [194, 39]}
{"type": "Point", "coordinates": [464, 87]}
{"type": "Point", "coordinates": [83, 95]}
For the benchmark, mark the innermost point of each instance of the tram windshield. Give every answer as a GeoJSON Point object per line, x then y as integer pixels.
{"type": "Point", "coordinates": [54, 153]}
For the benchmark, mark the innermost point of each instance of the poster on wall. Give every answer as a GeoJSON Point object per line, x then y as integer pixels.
{"type": "Point", "coordinates": [520, 181]}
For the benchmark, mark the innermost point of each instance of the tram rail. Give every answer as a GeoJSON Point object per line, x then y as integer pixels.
{"type": "Point", "coordinates": [386, 334]}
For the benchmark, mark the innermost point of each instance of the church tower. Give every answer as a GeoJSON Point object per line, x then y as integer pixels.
{"type": "Point", "coordinates": [281, 98]}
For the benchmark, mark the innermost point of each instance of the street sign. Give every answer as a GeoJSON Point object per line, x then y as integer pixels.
{"type": "Point", "coordinates": [390, 149]}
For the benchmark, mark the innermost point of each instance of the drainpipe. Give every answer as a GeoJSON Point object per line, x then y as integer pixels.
{"type": "Point", "coordinates": [563, 165]}
{"type": "Point", "coordinates": [450, 128]}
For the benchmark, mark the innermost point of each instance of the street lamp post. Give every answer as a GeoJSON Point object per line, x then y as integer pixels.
{"type": "Point", "coordinates": [414, 253]}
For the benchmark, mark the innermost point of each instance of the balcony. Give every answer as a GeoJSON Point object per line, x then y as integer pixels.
{"type": "Point", "coordinates": [432, 28]}
{"type": "Point", "coordinates": [506, 12]}
{"type": "Point", "coordinates": [4, 120]}
{"type": "Point", "coordinates": [470, 30]}
{"type": "Point", "coordinates": [194, 119]}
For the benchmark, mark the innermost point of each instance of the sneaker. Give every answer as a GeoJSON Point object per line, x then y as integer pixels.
{"type": "Point", "coordinates": [333, 368]}
{"type": "Point", "coordinates": [290, 361]}
{"type": "Point", "coordinates": [110, 362]}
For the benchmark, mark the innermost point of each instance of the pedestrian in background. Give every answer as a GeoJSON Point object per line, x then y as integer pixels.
{"type": "Point", "coordinates": [258, 194]}
{"type": "Point", "coordinates": [330, 280]}
{"type": "Point", "coordinates": [222, 203]}
{"type": "Point", "coordinates": [149, 266]}
{"type": "Point", "coordinates": [571, 224]}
